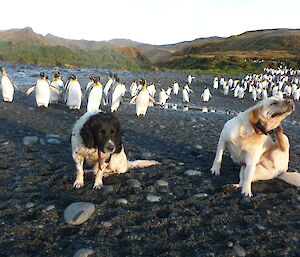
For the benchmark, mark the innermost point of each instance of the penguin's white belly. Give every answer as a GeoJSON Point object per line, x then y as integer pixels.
{"type": "Point", "coordinates": [175, 89]}
{"type": "Point", "coordinates": [205, 96]}
{"type": "Point", "coordinates": [74, 96]}
{"type": "Point", "coordinates": [7, 89]}
{"type": "Point", "coordinates": [185, 96]}
{"type": "Point", "coordinates": [116, 99]}
{"type": "Point", "coordinates": [54, 96]}
{"type": "Point", "coordinates": [142, 103]}
{"type": "Point", "coordinates": [42, 94]}
{"type": "Point", "coordinates": [94, 99]}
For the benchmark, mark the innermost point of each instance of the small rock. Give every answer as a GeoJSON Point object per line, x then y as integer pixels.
{"type": "Point", "coordinates": [162, 183]}
{"type": "Point", "coordinates": [198, 147]}
{"type": "Point", "coordinates": [200, 195]}
{"type": "Point", "coordinates": [29, 205]}
{"type": "Point", "coordinates": [107, 224]}
{"type": "Point", "coordinates": [79, 212]}
{"type": "Point", "coordinates": [239, 251]}
{"type": "Point", "coordinates": [146, 155]}
{"type": "Point", "coordinates": [133, 182]}
{"type": "Point", "coordinates": [193, 173]}
{"type": "Point", "coordinates": [260, 227]}
{"type": "Point", "coordinates": [206, 182]}
{"type": "Point", "coordinates": [180, 163]}
{"type": "Point", "coordinates": [50, 207]}
{"type": "Point", "coordinates": [230, 244]}
{"type": "Point", "coordinates": [153, 198]}
{"type": "Point", "coordinates": [122, 201]}
{"type": "Point", "coordinates": [42, 141]}
{"type": "Point", "coordinates": [84, 252]}
{"type": "Point", "coordinates": [53, 141]}
{"type": "Point", "coordinates": [52, 136]}
{"type": "Point", "coordinates": [298, 198]}
{"type": "Point", "coordinates": [108, 188]}
{"type": "Point", "coordinates": [117, 231]}
{"type": "Point", "coordinates": [30, 140]}
{"type": "Point", "coordinates": [173, 215]}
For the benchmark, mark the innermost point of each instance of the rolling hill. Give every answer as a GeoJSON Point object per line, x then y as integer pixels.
{"type": "Point", "coordinates": [273, 45]}
{"type": "Point", "coordinates": [235, 52]}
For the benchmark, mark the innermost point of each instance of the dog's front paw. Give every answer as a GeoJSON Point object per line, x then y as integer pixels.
{"type": "Point", "coordinates": [78, 183]}
{"type": "Point", "coordinates": [246, 190]}
{"type": "Point", "coordinates": [215, 169]}
{"type": "Point", "coordinates": [98, 185]}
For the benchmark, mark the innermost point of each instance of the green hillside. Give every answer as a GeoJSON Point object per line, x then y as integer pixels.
{"type": "Point", "coordinates": [106, 57]}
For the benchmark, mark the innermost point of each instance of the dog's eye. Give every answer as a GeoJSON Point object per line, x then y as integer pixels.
{"type": "Point", "coordinates": [112, 131]}
{"type": "Point", "coordinates": [102, 132]}
{"type": "Point", "coordinates": [274, 103]}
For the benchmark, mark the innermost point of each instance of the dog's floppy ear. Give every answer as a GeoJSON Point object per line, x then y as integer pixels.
{"type": "Point", "coordinates": [254, 115]}
{"type": "Point", "coordinates": [87, 135]}
{"type": "Point", "coordinates": [118, 135]}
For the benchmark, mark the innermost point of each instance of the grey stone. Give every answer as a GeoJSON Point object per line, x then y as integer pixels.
{"type": "Point", "coordinates": [260, 227]}
{"type": "Point", "coordinates": [107, 224]}
{"type": "Point", "coordinates": [50, 207]}
{"type": "Point", "coordinates": [84, 252]}
{"type": "Point", "coordinates": [198, 147]}
{"type": "Point", "coordinates": [108, 188]}
{"type": "Point", "coordinates": [30, 140]}
{"type": "Point", "coordinates": [117, 231]}
{"type": "Point", "coordinates": [229, 244]}
{"type": "Point", "coordinates": [53, 141]}
{"type": "Point", "coordinates": [29, 205]}
{"type": "Point", "coordinates": [200, 195]}
{"type": "Point", "coordinates": [122, 201]}
{"type": "Point", "coordinates": [42, 141]}
{"type": "Point", "coordinates": [78, 212]}
{"type": "Point", "coordinates": [239, 251]}
{"type": "Point", "coordinates": [153, 198]}
{"type": "Point", "coordinates": [193, 173]}
{"type": "Point", "coordinates": [162, 183]}
{"type": "Point", "coordinates": [52, 136]}
{"type": "Point", "coordinates": [146, 155]}
{"type": "Point", "coordinates": [133, 182]}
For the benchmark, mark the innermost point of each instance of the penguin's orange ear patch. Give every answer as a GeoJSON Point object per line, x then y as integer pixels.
{"type": "Point", "coordinates": [254, 115]}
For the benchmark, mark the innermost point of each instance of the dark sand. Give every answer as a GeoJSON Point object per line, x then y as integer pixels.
{"type": "Point", "coordinates": [178, 225]}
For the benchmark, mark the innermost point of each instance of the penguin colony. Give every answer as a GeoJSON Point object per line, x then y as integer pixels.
{"type": "Point", "coordinates": [282, 82]}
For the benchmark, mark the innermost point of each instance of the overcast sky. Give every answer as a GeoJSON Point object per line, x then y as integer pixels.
{"type": "Point", "coordinates": [148, 21]}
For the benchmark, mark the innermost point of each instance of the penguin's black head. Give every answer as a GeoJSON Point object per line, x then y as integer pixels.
{"type": "Point", "coordinates": [91, 77]}
{"type": "Point", "coordinates": [73, 77]}
{"type": "Point", "coordinates": [117, 79]}
{"type": "Point", "coordinates": [42, 75]}
{"type": "Point", "coordinates": [57, 74]}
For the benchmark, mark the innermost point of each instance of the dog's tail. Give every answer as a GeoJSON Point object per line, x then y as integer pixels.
{"type": "Point", "coordinates": [292, 178]}
{"type": "Point", "coordinates": [141, 163]}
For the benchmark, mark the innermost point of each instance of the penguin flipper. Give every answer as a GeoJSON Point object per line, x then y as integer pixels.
{"type": "Point", "coordinates": [29, 90]}
{"type": "Point", "coordinates": [152, 99]}
{"type": "Point", "coordinates": [133, 99]}
{"type": "Point", "coordinates": [54, 89]}
{"type": "Point", "coordinates": [15, 86]}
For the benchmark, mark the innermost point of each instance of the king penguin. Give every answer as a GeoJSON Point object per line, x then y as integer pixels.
{"type": "Point", "coordinates": [42, 91]}
{"type": "Point", "coordinates": [162, 98]}
{"type": "Point", "coordinates": [73, 93]}
{"type": "Point", "coordinates": [117, 95]}
{"type": "Point", "coordinates": [206, 94]}
{"type": "Point", "coordinates": [142, 100]}
{"type": "Point", "coordinates": [175, 88]}
{"type": "Point", "coordinates": [133, 88]}
{"type": "Point", "coordinates": [7, 87]}
{"type": "Point", "coordinates": [107, 87]}
{"type": "Point", "coordinates": [94, 95]}
{"type": "Point", "coordinates": [185, 94]}
{"type": "Point", "coordinates": [59, 85]}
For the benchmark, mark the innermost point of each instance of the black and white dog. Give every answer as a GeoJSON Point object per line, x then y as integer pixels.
{"type": "Point", "coordinates": [97, 138]}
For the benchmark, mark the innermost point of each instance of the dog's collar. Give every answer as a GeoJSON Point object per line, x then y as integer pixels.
{"type": "Point", "coordinates": [260, 129]}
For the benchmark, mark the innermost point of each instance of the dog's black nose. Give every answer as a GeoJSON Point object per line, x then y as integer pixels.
{"type": "Point", "coordinates": [110, 147]}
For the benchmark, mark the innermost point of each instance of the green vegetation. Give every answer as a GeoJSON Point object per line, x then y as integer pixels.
{"type": "Point", "coordinates": [106, 58]}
